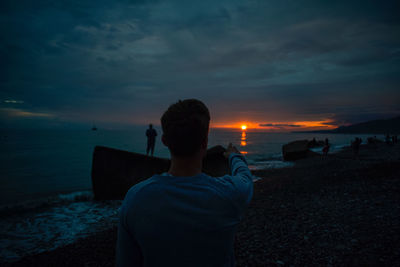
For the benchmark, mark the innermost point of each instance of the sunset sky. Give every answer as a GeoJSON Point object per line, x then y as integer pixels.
{"type": "Point", "coordinates": [279, 65]}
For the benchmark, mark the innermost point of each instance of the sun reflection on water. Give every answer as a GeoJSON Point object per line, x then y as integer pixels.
{"type": "Point", "coordinates": [243, 141]}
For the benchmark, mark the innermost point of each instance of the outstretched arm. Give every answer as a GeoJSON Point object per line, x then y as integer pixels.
{"type": "Point", "coordinates": [241, 177]}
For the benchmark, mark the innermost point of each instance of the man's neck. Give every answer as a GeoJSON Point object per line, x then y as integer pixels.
{"type": "Point", "coordinates": [186, 166]}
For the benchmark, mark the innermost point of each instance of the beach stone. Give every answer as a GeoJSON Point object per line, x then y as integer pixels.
{"type": "Point", "coordinates": [115, 171]}
{"type": "Point", "coordinates": [296, 150]}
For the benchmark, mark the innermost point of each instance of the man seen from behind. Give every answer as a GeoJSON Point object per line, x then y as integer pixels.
{"type": "Point", "coordinates": [184, 217]}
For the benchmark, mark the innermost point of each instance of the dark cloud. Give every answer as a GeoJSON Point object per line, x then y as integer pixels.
{"type": "Point", "coordinates": [279, 125]}
{"type": "Point", "coordinates": [260, 60]}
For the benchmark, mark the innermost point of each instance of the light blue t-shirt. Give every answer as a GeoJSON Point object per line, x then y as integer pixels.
{"type": "Point", "coordinates": [184, 221]}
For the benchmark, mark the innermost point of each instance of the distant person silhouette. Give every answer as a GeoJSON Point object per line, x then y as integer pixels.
{"type": "Point", "coordinates": [325, 150]}
{"type": "Point", "coordinates": [356, 146]}
{"type": "Point", "coordinates": [388, 139]}
{"type": "Point", "coordinates": [151, 139]}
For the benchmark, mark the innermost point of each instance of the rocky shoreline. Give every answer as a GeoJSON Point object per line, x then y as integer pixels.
{"type": "Point", "coordinates": [332, 211]}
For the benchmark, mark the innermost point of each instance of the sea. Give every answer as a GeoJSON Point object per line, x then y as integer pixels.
{"type": "Point", "coordinates": [46, 198]}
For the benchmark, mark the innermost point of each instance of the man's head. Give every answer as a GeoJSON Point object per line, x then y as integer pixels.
{"type": "Point", "coordinates": [151, 126]}
{"type": "Point", "coordinates": [185, 127]}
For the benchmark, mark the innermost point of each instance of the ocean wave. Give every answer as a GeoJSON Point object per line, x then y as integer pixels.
{"type": "Point", "coordinates": [271, 164]}
{"type": "Point", "coordinates": [76, 196]}
{"type": "Point", "coordinates": [43, 203]}
{"type": "Point", "coordinates": [256, 178]}
{"type": "Point", "coordinates": [333, 148]}
{"type": "Point", "coordinates": [54, 223]}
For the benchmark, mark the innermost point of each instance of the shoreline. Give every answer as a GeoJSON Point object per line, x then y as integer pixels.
{"type": "Point", "coordinates": [321, 211]}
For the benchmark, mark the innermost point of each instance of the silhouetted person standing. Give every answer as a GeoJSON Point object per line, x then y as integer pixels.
{"type": "Point", "coordinates": [387, 139]}
{"type": "Point", "coordinates": [325, 150]}
{"type": "Point", "coordinates": [151, 139]}
{"type": "Point", "coordinates": [356, 146]}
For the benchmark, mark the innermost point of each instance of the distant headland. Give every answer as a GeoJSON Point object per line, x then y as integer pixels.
{"type": "Point", "coordinates": [388, 126]}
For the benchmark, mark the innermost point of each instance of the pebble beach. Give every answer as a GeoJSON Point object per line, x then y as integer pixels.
{"type": "Point", "coordinates": [338, 210]}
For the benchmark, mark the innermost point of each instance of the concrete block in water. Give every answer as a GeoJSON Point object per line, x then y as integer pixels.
{"type": "Point", "coordinates": [115, 171]}
{"type": "Point", "coordinates": [295, 150]}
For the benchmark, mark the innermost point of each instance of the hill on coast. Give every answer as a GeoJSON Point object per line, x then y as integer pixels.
{"type": "Point", "coordinates": [388, 126]}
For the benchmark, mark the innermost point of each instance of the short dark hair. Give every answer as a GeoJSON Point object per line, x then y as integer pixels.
{"type": "Point", "coordinates": [185, 127]}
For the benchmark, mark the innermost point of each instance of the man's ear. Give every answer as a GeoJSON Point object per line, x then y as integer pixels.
{"type": "Point", "coordinates": [205, 143]}
{"type": "Point", "coordinates": [164, 141]}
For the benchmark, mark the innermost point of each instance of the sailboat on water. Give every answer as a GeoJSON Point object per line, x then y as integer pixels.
{"type": "Point", "coordinates": [94, 128]}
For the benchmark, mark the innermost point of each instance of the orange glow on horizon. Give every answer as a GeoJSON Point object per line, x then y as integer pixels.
{"type": "Point", "coordinates": [236, 125]}
{"type": "Point", "coordinates": [326, 124]}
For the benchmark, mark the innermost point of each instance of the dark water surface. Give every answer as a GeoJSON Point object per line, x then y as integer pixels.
{"type": "Point", "coordinates": [45, 193]}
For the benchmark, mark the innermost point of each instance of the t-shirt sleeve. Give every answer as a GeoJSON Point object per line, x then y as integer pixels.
{"type": "Point", "coordinates": [240, 182]}
{"type": "Point", "coordinates": [128, 252]}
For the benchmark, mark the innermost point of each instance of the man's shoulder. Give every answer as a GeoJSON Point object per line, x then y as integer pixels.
{"type": "Point", "coordinates": [222, 181]}
{"type": "Point", "coordinates": [160, 182]}
{"type": "Point", "coordinates": [140, 187]}
{"type": "Point", "coordinates": [143, 184]}
{"type": "Point", "coordinates": [222, 185]}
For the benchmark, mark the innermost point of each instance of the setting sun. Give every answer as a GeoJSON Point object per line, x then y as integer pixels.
{"type": "Point", "coordinates": [276, 126]}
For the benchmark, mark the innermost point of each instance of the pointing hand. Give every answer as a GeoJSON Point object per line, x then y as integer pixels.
{"type": "Point", "coordinates": [230, 149]}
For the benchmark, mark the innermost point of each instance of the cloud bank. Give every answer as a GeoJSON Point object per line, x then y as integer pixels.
{"type": "Point", "coordinates": [126, 61]}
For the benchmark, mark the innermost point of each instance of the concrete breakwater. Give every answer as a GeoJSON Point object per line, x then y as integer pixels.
{"type": "Point", "coordinates": [115, 171]}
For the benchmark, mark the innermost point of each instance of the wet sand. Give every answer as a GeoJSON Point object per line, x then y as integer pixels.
{"type": "Point", "coordinates": [336, 211]}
